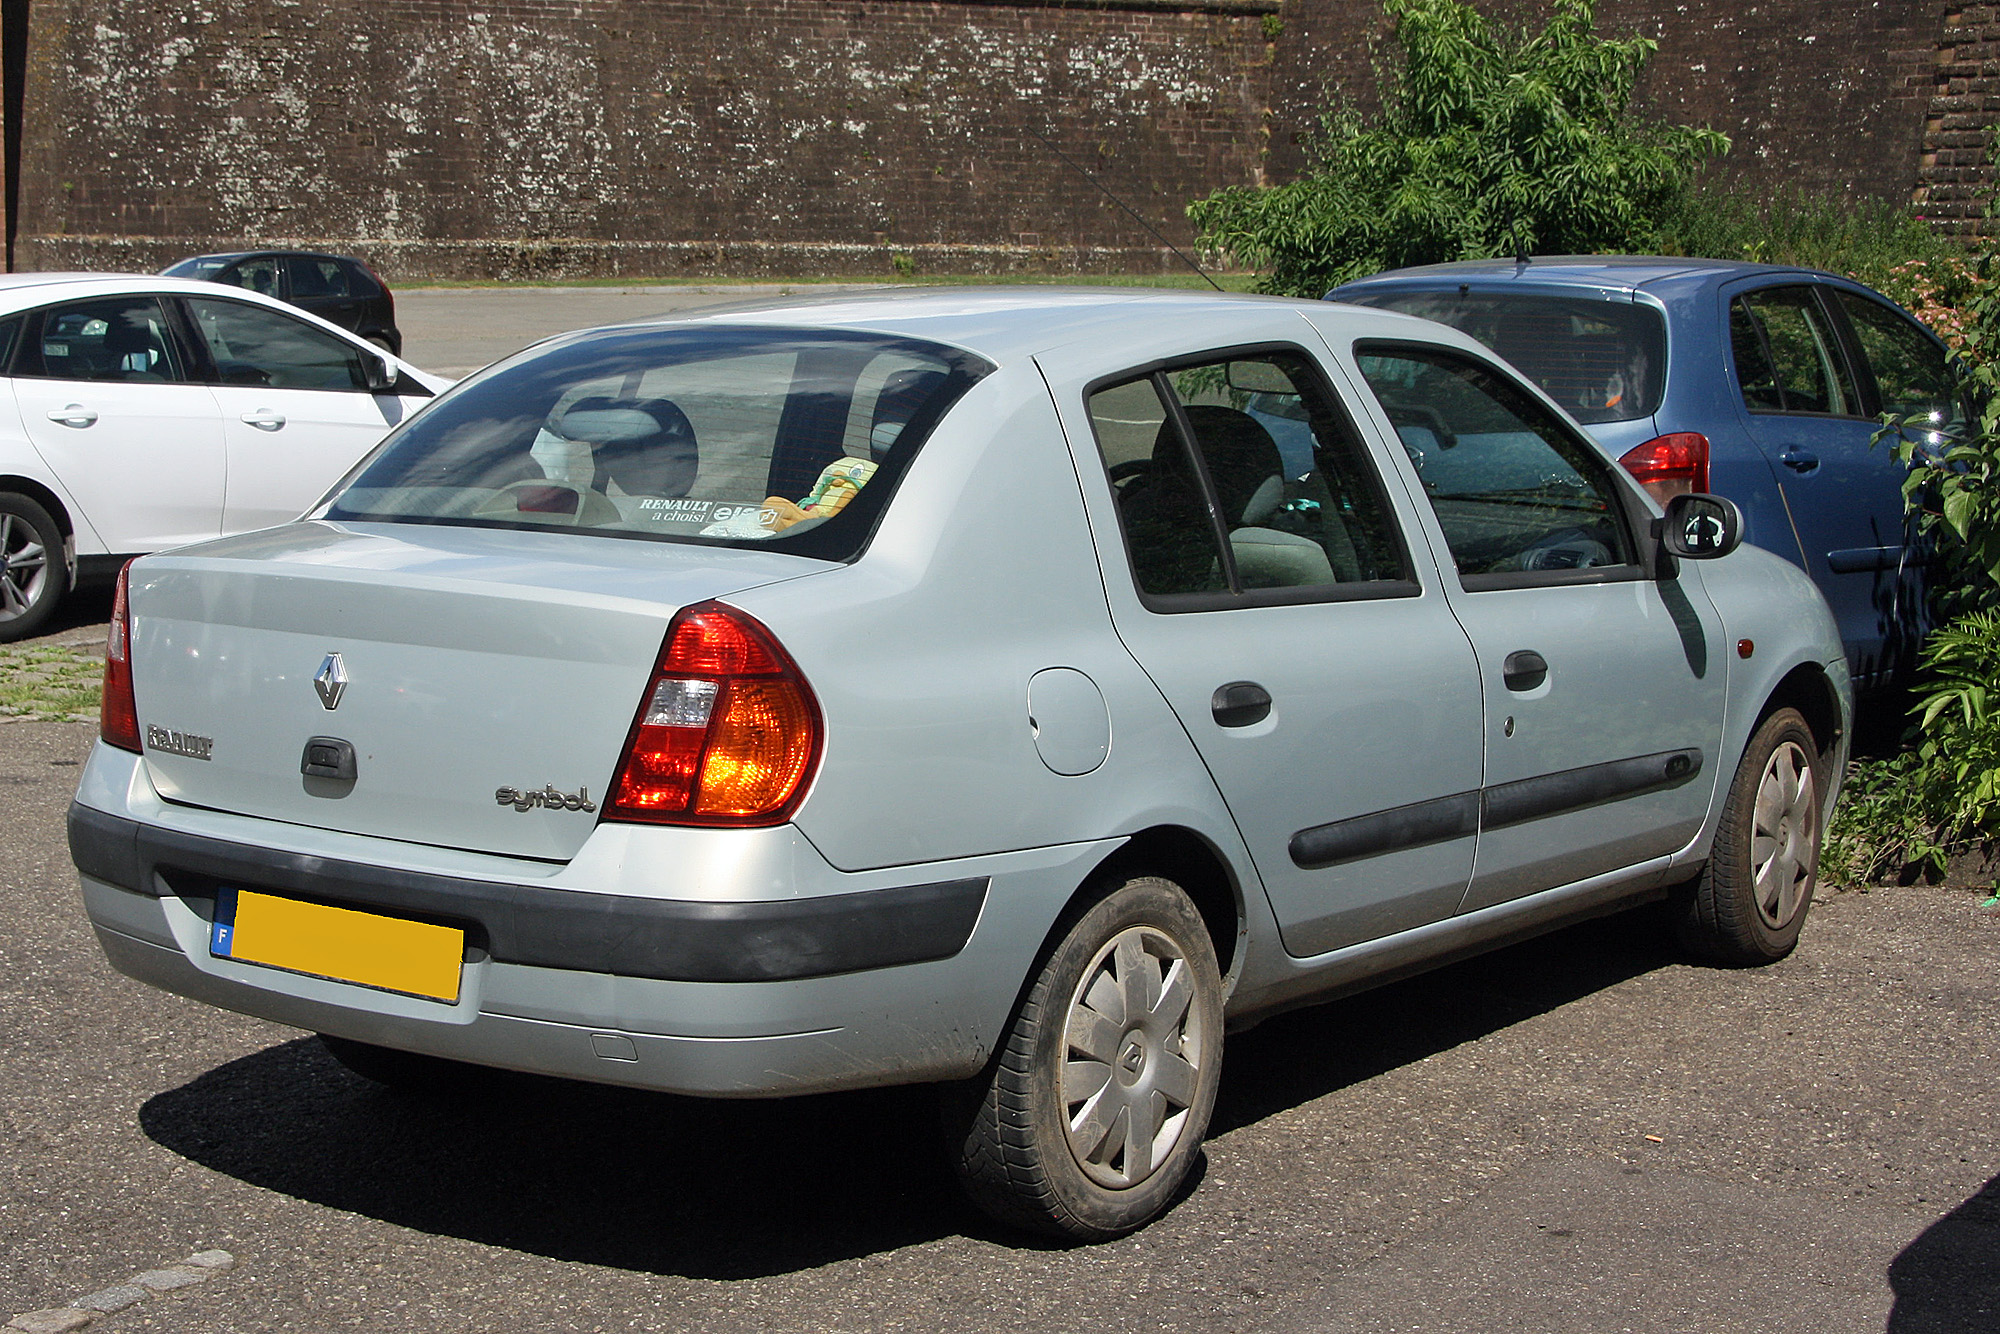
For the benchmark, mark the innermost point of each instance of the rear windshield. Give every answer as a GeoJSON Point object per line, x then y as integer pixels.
{"type": "Point", "coordinates": [202, 267]}
{"type": "Point", "coordinates": [1603, 361]}
{"type": "Point", "coordinates": [714, 435]}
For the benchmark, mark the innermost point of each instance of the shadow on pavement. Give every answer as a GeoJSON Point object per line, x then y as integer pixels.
{"type": "Point", "coordinates": [89, 605]}
{"type": "Point", "coordinates": [1947, 1281]}
{"type": "Point", "coordinates": [729, 1190]}
{"type": "Point", "coordinates": [1306, 1054]}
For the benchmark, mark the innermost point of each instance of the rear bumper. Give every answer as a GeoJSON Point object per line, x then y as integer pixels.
{"type": "Point", "coordinates": [788, 977]}
{"type": "Point", "coordinates": [668, 939]}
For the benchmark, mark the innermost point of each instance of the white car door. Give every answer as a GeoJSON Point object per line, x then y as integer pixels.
{"type": "Point", "coordinates": [105, 396]}
{"type": "Point", "coordinates": [295, 408]}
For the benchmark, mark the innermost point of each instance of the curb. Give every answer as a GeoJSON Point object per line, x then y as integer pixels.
{"type": "Point", "coordinates": [197, 1268]}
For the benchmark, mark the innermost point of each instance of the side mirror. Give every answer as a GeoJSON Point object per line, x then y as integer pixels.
{"type": "Point", "coordinates": [381, 375]}
{"type": "Point", "coordinates": [1701, 527]}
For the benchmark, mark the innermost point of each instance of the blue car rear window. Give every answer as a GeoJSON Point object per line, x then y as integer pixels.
{"type": "Point", "coordinates": [1603, 361]}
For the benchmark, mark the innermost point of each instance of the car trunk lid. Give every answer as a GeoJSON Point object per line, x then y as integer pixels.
{"type": "Point", "coordinates": [471, 665]}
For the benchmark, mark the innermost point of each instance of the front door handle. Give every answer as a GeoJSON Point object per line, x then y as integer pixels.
{"type": "Point", "coordinates": [1524, 670]}
{"type": "Point", "coordinates": [1239, 704]}
{"type": "Point", "coordinates": [74, 415]}
{"type": "Point", "coordinates": [1799, 460]}
{"type": "Point", "coordinates": [265, 420]}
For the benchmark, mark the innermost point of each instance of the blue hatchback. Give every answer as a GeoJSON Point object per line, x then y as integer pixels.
{"type": "Point", "coordinates": [1759, 382]}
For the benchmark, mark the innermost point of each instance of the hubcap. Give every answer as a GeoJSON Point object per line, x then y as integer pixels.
{"type": "Point", "coordinates": [24, 567]}
{"type": "Point", "coordinates": [1133, 1056]}
{"type": "Point", "coordinates": [1784, 836]}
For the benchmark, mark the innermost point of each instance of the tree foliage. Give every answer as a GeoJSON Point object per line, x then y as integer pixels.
{"type": "Point", "coordinates": [1491, 142]}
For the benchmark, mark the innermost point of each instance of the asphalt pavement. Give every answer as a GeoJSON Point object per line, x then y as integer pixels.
{"type": "Point", "coordinates": [1580, 1135]}
{"type": "Point", "coordinates": [456, 330]}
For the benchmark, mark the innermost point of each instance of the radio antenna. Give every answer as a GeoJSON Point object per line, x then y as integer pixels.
{"type": "Point", "coordinates": [1078, 169]}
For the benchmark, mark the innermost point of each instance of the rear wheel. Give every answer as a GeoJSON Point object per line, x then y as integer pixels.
{"type": "Point", "coordinates": [33, 574]}
{"type": "Point", "coordinates": [1092, 1115]}
{"type": "Point", "coordinates": [1750, 901]}
{"type": "Point", "coordinates": [407, 1071]}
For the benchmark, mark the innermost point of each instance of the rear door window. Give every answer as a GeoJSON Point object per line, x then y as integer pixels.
{"type": "Point", "coordinates": [312, 276]}
{"type": "Point", "coordinates": [1239, 477]}
{"type": "Point", "coordinates": [125, 338]}
{"type": "Point", "coordinates": [1787, 357]}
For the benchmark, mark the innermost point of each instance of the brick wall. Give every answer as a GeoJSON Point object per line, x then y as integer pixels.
{"type": "Point", "coordinates": [551, 137]}
{"type": "Point", "coordinates": [453, 136]}
{"type": "Point", "coordinates": [1954, 171]}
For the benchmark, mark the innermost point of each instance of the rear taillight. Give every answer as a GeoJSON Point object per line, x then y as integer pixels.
{"type": "Point", "coordinates": [118, 713]}
{"type": "Point", "coordinates": [728, 733]}
{"type": "Point", "coordinates": [1670, 465]}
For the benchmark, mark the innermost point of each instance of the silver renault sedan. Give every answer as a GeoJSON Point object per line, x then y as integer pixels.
{"type": "Point", "coordinates": [1011, 690]}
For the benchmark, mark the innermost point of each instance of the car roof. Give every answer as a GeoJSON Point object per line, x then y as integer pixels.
{"type": "Point", "coordinates": [19, 291]}
{"type": "Point", "coordinates": [1007, 324]}
{"type": "Point", "coordinates": [1598, 272]}
{"type": "Point", "coordinates": [231, 255]}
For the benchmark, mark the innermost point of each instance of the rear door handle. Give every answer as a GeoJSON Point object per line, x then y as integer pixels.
{"type": "Point", "coordinates": [1239, 704]}
{"type": "Point", "coordinates": [1799, 460]}
{"type": "Point", "coordinates": [265, 420]}
{"type": "Point", "coordinates": [74, 415]}
{"type": "Point", "coordinates": [1524, 670]}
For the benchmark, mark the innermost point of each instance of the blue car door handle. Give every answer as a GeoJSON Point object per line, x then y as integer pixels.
{"type": "Point", "coordinates": [1799, 461]}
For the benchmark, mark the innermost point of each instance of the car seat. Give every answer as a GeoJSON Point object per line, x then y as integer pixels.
{"type": "Point", "coordinates": [1249, 477]}
{"type": "Point", "coordinates": [646, 446]}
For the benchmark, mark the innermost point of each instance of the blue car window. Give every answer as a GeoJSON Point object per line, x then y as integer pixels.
{"type": "Point", "coordinates": [1787, 359]}
{"type": "Point", "coordinates": [1604, 361]}
{"type": "Point", "coordinates": [1911, 373]}
{"type": "Point", "coordinates": [1250, 449]}
{"type": "Point", "coordinates": [1514, 492]}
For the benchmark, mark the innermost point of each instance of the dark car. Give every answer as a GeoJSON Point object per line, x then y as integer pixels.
{"type": "Point", "coordinates": [338, 288]}
{"type": "Point", "coordinates": [1758, 382]}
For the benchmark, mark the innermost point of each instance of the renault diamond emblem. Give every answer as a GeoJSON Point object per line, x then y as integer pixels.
{"type": "Point", "coordinates": [331, 681]}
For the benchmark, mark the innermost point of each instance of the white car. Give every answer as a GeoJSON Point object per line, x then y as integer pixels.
{"type": "Point", "coordinates": [150, 412]}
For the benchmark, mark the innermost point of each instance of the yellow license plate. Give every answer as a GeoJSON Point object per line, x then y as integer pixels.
{"type": "Point", "coordinates": [415, 958]}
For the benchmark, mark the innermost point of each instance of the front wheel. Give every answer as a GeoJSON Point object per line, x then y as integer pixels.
{"type": "Point", "coordinates": [1750, 901]}
{"type": "Point", "coordinates": [34, 574]}
{"type": "Point", "coordinates": [1092, 1115]}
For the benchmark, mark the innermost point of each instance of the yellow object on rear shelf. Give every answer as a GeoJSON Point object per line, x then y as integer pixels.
{"type": "Point", "coordinates": [346, 946]}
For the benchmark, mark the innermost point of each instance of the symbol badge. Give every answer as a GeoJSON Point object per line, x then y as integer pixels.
{"type": "Point", "coordinates": [331, 681]}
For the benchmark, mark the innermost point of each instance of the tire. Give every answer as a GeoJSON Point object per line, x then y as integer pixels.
{"type": "Point", "coordinates": [1749, 903]}
{"type": "Point", "coordinates": [405, 1071]}
{"type": "Point", "coordinates": [1045, 1140]}
{"type": "Point", "coordinates": [33, 574]}
{"type": "Point", "coordinates": [382, 341]}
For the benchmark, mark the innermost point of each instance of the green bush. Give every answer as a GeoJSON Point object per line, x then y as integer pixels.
{"type": "Point", "coordinates": [1491, 142]}
{"type": "Point", "coordinates": [1913, 809]}
{"type": "Point", "coordinates": [1943, 792]}
{"type": "Point", "coordinates": [1874, 241]}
